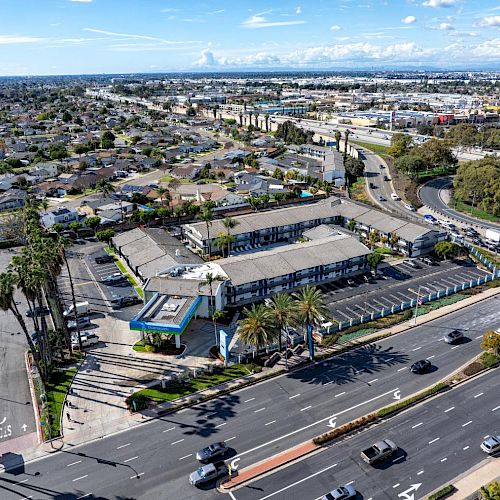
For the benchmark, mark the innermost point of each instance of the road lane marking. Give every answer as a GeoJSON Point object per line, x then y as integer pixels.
{"type": "Point", "coordinates": [128, 444]}
{"type": "Point", "coordinates": [83, 496]}
{"type": "Point", "coordinates": [178, 441]}
{"type": "Point", "coordinates": [220, 425]}
{"type": "Point", "coordinates": [478, 395]}
{"type": "Point", "coordinates": [449, 409]}
{"type": "Point", "coordinates": [465, 448]}
{"type": "Point", "coordinates": [229, 439]}
{"type": "Point", "coordinates": [260, 409]}
{"type": "Point", "coordinates": [401, 369]}
{"type": "Point", "coordinates": [27, 498]}
{"type": "Point", "coordinates": [496, 408]}
{"type": "Point", "coordinates": [372, 381]}
{"type": "Point", "coordinates": [306, 408]}
{"type": "Point", "coordinates": [467, 423]}
{"type": "Point", "coordinates": [397, 459]}
{"type": "Point", "coordinates": [479, 337]}
{"type": "Point", "coordinates": [271, 422]}
{"type": "Point", "coordinates": [137, 476]}
{"type": "Point", "coordinates": [326, 419]}
{"type": "Point", "coordinates": [21, 482]}
{"type": "Point", "coordinates": [396, 485]}
{"type": "Point", "coordinates": [130, 459]}
{"type": "Point", "coordinates": [328, 383]}
{"type": "Point", "coordinates": [248, 400]}
{"type": "Point", "coordinates": [341, 394]}
{"type": "Point", "coordinates": [455, 347]}
{"type": "Point", "coordinates": [444, 459]}
{"type": "Point", "coordinates": [298, 482]}
{"type": "Point", "coordinates": [350, 482]}
{"type": "Point", "coordinates": [186, 456]}
{"type": "Point", "coordinates": [434, 440]}
{"type": "Point", "coordinates": [296, 396]}
{"type": "Point", "coordinates": [73, 463]}
{"type": "Point", "coordinates": [232, 495]}
{"type": "Point", "coordinates": [417, 348]}
{"type": "Point", "coordinates": [420, 472]}
{"type": "Point", "coordinates": [417, 425]}
{"type": "Point", "coordinates": [430, 357]}
{"type": "Point", "coordinates": [486, 437]}
{"type": "Point", "coordinates": [81, 477]}
{"type": "Point", "coordinates": [168, 430]}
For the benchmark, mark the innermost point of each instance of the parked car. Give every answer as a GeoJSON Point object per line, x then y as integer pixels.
{"type": "Point", "coordinates": [104, 259]}
{"type": "Point", "coordinates": [477, 241]}
{"type": "Point", "coordinates": [82, 309]}
{"type": "Point", "coordinates": [341, 493]}
{"type": "Point", "coordinates": [456, 235]}
{"type": "Point", "coordinates": [39, 311]}
{"type": "Point", "coordinates": [409, 207]}
{"type": "Point", "coordinates": [430, 219]}
{"type": "Point", "coordinates": [491, 444]}
{"type": "Point", "coordinates": [212, 451]}
{"type": "Point", "coordinates": [429, 261]}
{"type": "Point", "coordinates": [82, 322]}
{"type": "Point", "coordinates": [207, 473]}
{"type": "Point", "coordinates": [113, 278]}
{"type": "Point", "coordinates": [412, 263]}
{"type": "Point", "coordinates": [88, 340]}
{"type": "Point", "coordinates": [453, 336]}
{"type": "Point", "coordinates": [422, 366]}
{"type": "Point", "coordinates": [130, 300]}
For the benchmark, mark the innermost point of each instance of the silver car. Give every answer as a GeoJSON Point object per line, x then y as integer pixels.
{"type": "Point", "coordinates": [453, 336]}
{"type": "Point", "coordinates": [215, 450]}
{"type": "Point", "coordinates": [341, 493]}
{"type": "Point", "coordinates": [491, 444]}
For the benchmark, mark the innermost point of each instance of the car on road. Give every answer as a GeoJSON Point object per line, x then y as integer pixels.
{"type": "Point", "coordinates": [395, 197]}
{"type": "Point", "coordinates": [212, 451]}
{"type": "Point", "coordinates": [104, 259]}
{"type": "Point", "coordinates": [372, 186]}
{"type": "Point", "coordinates": [207, 473]}
{"type": "Point", "coordinates": [381, 166]}
{"type": "Point", "coordinates": [453, 336]}
{"type": "Point", "coordinates": [379, 451]}
{"type": "Point", "coordinates": [477, 241]}
{"type": "Point", "coordinates": [82, 322]}
{"type": "Point", "coordinates": [422, 366]}
{"type": "Point", "coordinates": [340, 493]}
{"type": "Point", "coordinates": [129, 300]}
{"type": "Point", "coordinates": [39, 311]}
{"type": "Point", "coordinates": [471, 232]}
{"type": "Point", "coordinates": [386, 178]}
{"type": "Point", "coordinates": [456, 235]}
{"type": "Point", "coordinates": [430, 219]}
{"type": "Point", "coordinates": [409, 207]}
{"type": "Point", "coordinates": [491, 444]}
{"type": "Point", "coordinates": [113, 278]}
{"type": "Point", "coordinates": [88, 340]}
{"type": "Point", "coordinates": [381, 198]}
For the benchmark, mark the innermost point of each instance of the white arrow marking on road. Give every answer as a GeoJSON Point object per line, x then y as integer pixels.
{"type": "Point", "coordinates": [332, 423]}
{"type": "Point", "coordinates": [4, 419]}
{"type": "Point", "coordinates": [23, 427]}
{"type": "Point", "coordinates": [397, 394]}
{"type": "Point", "coordinates": [412, 489]}
{"type": "Point", "coordinates": [234, 464]}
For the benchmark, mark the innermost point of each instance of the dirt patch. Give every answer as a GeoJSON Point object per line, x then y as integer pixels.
{"type": "Point", "coordinates": [405, 187]}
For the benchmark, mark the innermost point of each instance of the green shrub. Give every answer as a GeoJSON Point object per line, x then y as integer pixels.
{"type": "Point", "coordinates": [442, 493]}
{"type": "Point", "coordinates": [344, 429]}
{"type": "Point", "coordinates": [488, 359]}
{"type": "Point", "coordinates": [149, 348]}
{"type": "Point", "coordinates": [389, 410]}
{"type": "Point", "coordinates": [136, 402]}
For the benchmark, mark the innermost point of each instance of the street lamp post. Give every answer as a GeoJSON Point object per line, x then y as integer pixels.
{"type": "Point", "coordinates": [418, 303]}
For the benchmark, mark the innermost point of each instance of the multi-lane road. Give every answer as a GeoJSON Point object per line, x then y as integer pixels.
{"type": "Point", "coordinates": [437, 441]}
{"type": "Point", "coordinates": [153, 460]}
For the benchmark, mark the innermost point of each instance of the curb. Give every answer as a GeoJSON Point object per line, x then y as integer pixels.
{"type": "Point", "coordinates": [34, 401]}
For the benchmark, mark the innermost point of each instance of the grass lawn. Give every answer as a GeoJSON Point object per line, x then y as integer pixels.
{"type": "Point", "coordinates": [376, 148]}
{"type": "Point", "coordinates": [383, 251]}
{"type": "Point", "coordinates": [475, 212]}
{"type": "Point", "coordinates": [200, 383]}
{"type": "Point", "coordinates": [56, 392]}
{"type": "Point", "coordinates": [169, 178]}
{"type": "Point", "coordinates": [357, 191]}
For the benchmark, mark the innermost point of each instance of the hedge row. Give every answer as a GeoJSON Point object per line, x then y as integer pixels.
{"type": "Point", "coordinates": [389, 410]}
{"type": "Point", "coordinates": [344, 429]}
{"type": "Point", "coordinates": [443, 492]}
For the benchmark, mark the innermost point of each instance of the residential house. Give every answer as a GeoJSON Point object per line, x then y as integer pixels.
{"type": "Point", "coordinates": [61, 215]}
{"type": "Point", "coordinates": [12, 199]}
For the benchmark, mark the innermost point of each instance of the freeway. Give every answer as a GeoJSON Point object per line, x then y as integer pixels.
{"type": "Point", "coordinates": [431, 195]}
{"type": "Point", "coordinates": [437, 441]}
{"type": "Point", "coordinates": [256, 422]}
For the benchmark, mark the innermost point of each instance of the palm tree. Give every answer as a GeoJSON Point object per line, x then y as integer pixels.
{"type": "Point", "coordinates": [224, 241]}
{"type": "Point", "coordinates": [229, 223]}
{"type": "Point", "coordinates": [393, 240]}
{"type": "Point", "coordinates": [209, 280]}
{"type": "Point", "coordinates": [257, 328]}
{"type": "Point", "coordinates": [105, 187]}
{"type": "Point", "coordinates": [373, 238]}
{"type": "Point", "coordinates": [338, 137]}
{"type": "Point", "coordinates": [163, 194]}
{"type": "Point", "coordinates": [311, 311]}
{"type": "Point", "coordinates": [207, 216]}
{"type": "Point", "coordinates": [351, 225]}
{"type": "Point", "coordinates": [347, 132]}
{"type": "Point", "coordinates": [283, 310]}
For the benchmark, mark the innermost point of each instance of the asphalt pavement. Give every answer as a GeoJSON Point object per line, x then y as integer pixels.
{"type": "Point", "coordinates": [430, 195]}
{"type": "Point", "coordinates": [436, 442]}
{"type": "Point", "coordinates": [153, 461]}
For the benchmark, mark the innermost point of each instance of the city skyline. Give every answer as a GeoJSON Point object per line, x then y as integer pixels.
{"type": "Point", "coordinates": [96, 36]}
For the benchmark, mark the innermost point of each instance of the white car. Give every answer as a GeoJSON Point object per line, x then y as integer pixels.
{"type": "Point", "coordinates": [409, 207]}
{"type": "Point", "coordinates": [491, 444]}
{"type": "Point", "coordinates": [88, 340]}
{"type": "Point", "coordinates": [395, 197]}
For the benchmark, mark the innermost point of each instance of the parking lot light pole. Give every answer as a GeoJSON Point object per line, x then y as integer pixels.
{"type": "Point", "coordinates": [418, 303]}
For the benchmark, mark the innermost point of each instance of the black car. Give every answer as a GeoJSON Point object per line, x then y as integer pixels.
{"type": "Point", "coordinates": [40, 311]}
{"type": "Point", "coordinates": [422, 366]}
{"type": "Point", "coordinates": [126, 301]}
{"type": "Point", "coordinates": [215, 450]}
{"type": "Point", "coordinates": [104, 259]}
{"type": "Point", "coordinates": [477, 241]}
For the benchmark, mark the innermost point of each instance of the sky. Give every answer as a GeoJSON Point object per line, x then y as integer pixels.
{"type": "Point", "coordinates": [53, 37]}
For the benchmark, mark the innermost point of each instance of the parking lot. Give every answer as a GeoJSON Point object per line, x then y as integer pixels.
{"type": "Point", "coordinates": [394, 285]}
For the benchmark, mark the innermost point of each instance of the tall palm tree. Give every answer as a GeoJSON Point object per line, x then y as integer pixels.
{"type": "Point", "coordinates": [347, 132]}
{"type": "Point", "coordinates": [105, 187]}
{"type": "Point", "coordinates": [209, 280]}
{"type": "Point", "coordinates": [164, 194]}
{"type": "Point", "coordinates": [338, 137]}
{"type": "Point", "coordinates": [351, 225]}
{"type": "Point", "coordinates": [229, 223]}
{"type": "Point", "coordinates": [257, 328]}
{"type": "Point", "coordinates": [311, 311]}
{"type": "Point", "coordinates": [207, 216]}
{"type": "Point", "coordinates": [283, 310]}
{"type": "Point", "coordinates": [224, 241]}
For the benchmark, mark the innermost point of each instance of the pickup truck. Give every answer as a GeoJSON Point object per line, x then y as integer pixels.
{"type": "Point", "coordinates": [379, 451]}
{"type": "Point", "coordinates": [209, 472]}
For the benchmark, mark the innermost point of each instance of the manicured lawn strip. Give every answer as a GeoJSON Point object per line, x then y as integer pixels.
{"type": "Point", "coordinates": [55, 392]}
{"type": "Point", "coordinates": [475, 212]}
{"type": "Point", "coordinates": [376, 148]}
{"type": "Point", "coordinates": [197, 384]}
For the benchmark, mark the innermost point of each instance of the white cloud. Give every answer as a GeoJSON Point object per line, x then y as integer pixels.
{"type": "Point", "coordinates": [298, 10]}
{"type": "Point", "coordinates": [207, 58]}
{"type": "Point", "coordinates": [445, 26]}
{"type": "Point", "coordinates": [81, 1]}
{"type": "Point", "coordinates": [259, 21]}
{"type": "Point", "coordinates": [489, 21]}
{"type": "Point", "coordinates": [440, 3]}
{"type": "Point", "coordinates": [408, 19]}
{"type": "Point", "coordinates": [490, 49]}
{"type": "Point", "coordinates": [335, 27]}
{"type": "Point", "coordinates": [138, 37]}
{"type": "Point", "coordinates": [12, 40]}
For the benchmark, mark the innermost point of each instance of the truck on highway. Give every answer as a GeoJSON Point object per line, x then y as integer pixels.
{"type": "Point", "coordinates": [379, 451]}
{"type": "Point", "coordinates": [82, 308]}
{"type": "Point", "coordinates": [493, 235]}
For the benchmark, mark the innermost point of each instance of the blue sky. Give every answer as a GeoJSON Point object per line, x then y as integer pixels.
{"type": "Point", "coordinates": [118, 36]}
